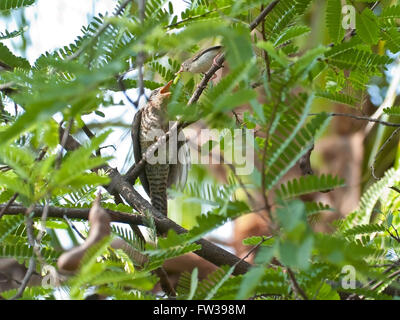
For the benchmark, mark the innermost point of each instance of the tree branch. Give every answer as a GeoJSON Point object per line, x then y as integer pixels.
{"type": "Point", "coordinates": [348, 115]}
{"type": "Point", "coordinates": [209, 251]}
{"type": "Point", "coordinates": [263, 14]}
{"type": "Point", "coordinates": [296, 288]}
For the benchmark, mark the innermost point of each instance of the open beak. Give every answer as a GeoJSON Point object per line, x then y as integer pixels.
{"type": "Point", "coordinates": [180, 70]}
{"type": "Point", "coordinates": [165, 90]}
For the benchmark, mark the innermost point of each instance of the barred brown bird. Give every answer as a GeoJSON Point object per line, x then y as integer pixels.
{"type": "Point", "coordinates": [149, 123]}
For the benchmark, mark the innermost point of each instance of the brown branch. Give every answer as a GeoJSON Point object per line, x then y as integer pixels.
{"type": "Point", "coordinates": [209, 251]}
{"type": "Point", "coordinates": [263, 14]}
{"type": "Point", "coordinates": [8, 204]}
{"type": "Point", "coordinates": [27, 277]}
{"type": "Point", "coordinates": [64, 138]}
{"type": "Point", "coordinates": [78, 213]}
{"type": "Point", "coordinates": [305, 162]}
{"type": "Point", "coordinates": [165, 283]}
{"type": "Point", "coordinates": [296, 288]}
{"type": "Point", "coordinates": [32, 261]}
{"type": "Point", "coordinates": [353, 116]}
{"type": "Point", "coordinates": [265, 53]}
{"type": "Point", "coordinates": [380, 150]}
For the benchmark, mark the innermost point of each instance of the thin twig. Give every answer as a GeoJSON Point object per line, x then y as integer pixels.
{"type": "Point", "coordinates": [395, 189]}
{"type": "Point", "coordinates": [265, 53]}
{"type": "Point", "coordinates": [32, 261]}
{"type": "Point", "coordinates": [375, 5]}
{"type": "Point", "coordinates": [373, 282]}
{"type": "Point", "coordinates": [296, 288]}
{"type": "Point", "coordinates": [392, 275]}
{"type": "Point", "coordinates": [264, 159]}
{"type": "Point", "coordinates": [165, 283]}
{"type": "Point", "coordinates": [338, 114]}
{"type": "Point", "coordinates": [8, 204]}
{"type": "Point", "coordinates": [263, 14]}
{"type": "Point", "coordinates": [25, 280]}
{"type": "Point", "coordinates": [176, 24]}
{"type": "Point", "coordinates": [208, 251]}
{"type": "Point", "coordinates": [123, 89]}
{"type": "Point", "coordinates": [63, 142]}
{"type": "Point", "coordinates": [91, 135]}
{"type": "Point", "coordinates": [390, 96]}
{"type": "Point", "coordinates": [264, 238]}
{"type": "Point", "coordinates": [73, 227]}
{"type": "Point", "coordinates": [379, 152]}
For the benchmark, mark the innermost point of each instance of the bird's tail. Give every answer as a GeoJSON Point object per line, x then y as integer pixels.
{"type": "Point", "coordinates": [157, 176]}
{"type": "Point", "coordinates": [160, 202]}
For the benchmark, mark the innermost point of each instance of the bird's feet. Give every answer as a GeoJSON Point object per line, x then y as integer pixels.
{"type": "Point", "coordinates": [215, 61]}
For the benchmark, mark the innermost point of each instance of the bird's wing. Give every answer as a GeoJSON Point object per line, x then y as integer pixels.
{"type": "Point", "coordinates": [137, 152]}
{"type": "Point", "coordinates": [199, 54]}
{"type": "Point", "coordinates": [178, 172]}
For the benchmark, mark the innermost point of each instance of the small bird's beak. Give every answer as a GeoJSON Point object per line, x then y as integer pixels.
{"type": "Point", "coordinates": [165, 90]}
{"type": "Point", "coordinates": [180, 70]}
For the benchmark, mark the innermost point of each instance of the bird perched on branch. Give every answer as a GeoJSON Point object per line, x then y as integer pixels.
{"type": "Point", "coordinates": [202, 61]}
{"type": "Point", "coordinates": [148, 125]}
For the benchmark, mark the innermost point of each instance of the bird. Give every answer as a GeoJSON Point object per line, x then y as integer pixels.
{"type": "Point", "coordinates": [202, 61]}
{"type": "Point", "coordinates": [157, 177]}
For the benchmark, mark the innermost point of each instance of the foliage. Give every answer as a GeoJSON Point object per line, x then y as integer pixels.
{"type": "Point", "coordinates": [291, 72]}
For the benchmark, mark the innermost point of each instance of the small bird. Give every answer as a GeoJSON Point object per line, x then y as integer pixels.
{"type": "Point", "coordinates": [156, 178]}
{"type": "Point", "coordinates": [202, 61]}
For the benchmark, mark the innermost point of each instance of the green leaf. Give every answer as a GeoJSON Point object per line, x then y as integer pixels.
{"type": "Point", "coordinates": [371, 197]}
{"type": "Point", "coordinates": [193, 283]}
{"type": "Point", "coordinates": [10, 59]}
{"type": "Point", "coordinates": [308, 184]}
{"type": "Point", "coordinates": [13, 4]}
{"type": "Point", "coordinates": [392, 12]}
{"type": "Point", "coordinates": [334, 20]}
{"type": "Point", "coordinates": [393, 111]}
{"type": "Point", "coordinates": [8, 35]}
{"type": "Point", "coordinates": [316, 207]}
{"type": "Point", "coordinates": [238, 48]}
{"type": "Point", "coordinates": [338, 97]}
{"type": "Point", "coordinates": [354, 59]}
{"type": "Point", "coordinates": [367, 27]}
{"type": "Point", "coordinates": [230, 101]}
{"type": "Point", "coordinates": [392, 37]}
{"type": "Point", "coordinates": [250, 281]}
{"type": "Point", "coordinates": [291, 33]}
{"type": "Point", "coordinates": [296, 255]}
{"type": "Point", "coordinates": [365, 228]}
{"type": "Point", "coordinates": [9, 224]}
